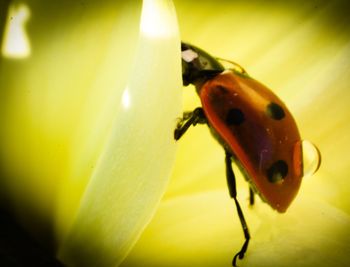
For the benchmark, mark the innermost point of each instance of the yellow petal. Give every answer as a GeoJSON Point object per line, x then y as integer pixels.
{"type": "Point", "coordinates": [203, 230]}
{"type": "Point", "coordinates": [87, 144]}
{"type": "Point", "coordinates": [132, 172]}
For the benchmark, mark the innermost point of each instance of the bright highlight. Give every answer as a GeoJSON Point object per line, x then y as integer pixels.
{"type": "Point", "coordinates": [155, 19]}
{"type": "Point", "coordinates": [16, 42]}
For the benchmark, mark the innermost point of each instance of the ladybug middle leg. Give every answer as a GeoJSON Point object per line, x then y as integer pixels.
{"type": "Point", "coordinates": [231, 182]}
{"type": "Point", "coordinates": [189, 118]}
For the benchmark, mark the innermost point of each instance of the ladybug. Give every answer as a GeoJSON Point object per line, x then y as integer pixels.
{"type": "Point", "coordinates": [254, 127]}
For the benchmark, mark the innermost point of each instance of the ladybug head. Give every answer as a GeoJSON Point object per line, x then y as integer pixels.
{"type": "Point", "coordinates": [197, 64]}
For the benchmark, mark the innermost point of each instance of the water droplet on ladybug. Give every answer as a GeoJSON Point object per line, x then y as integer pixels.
{"type": "Point", "coordinates": [311, 158]}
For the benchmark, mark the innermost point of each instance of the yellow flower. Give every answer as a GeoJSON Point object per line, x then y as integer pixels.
{"type": "Point", "coordinates": [88, 104]}
{"type": "Point", "coordinates": [85, 87]}
{"type": "Point", "coordinates": [301, 50]}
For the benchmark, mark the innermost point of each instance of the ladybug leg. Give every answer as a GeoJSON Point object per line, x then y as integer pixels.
{"type": "Point", "coordinates": [188, 119]}
{"type": "Point", "coordinates": [251, 197]}
{"type": "Point", "coordinates": [231, 182]}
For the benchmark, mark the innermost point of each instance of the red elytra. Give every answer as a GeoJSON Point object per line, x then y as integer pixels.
{"type": "Point", "coordinates": [259, 137]}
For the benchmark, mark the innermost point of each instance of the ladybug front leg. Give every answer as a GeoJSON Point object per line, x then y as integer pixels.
{"type": "Point", "coordinates": [231, 182]}
{"type": "Point", "coordinates": [188, 119]}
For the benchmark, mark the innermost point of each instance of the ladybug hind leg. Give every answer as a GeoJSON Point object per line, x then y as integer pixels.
{"type": "Point", "coordinates": [251, 197]}
{"type": "Point", "coordinates": [194, 117]}
{"type": "Point", "coordinates": [231, 182]}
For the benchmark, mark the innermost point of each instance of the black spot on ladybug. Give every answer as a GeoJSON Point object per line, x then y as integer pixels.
{"type": "Point", "coordinates": [277, 172]}
{"type": "Point", "coordinates": [234, 117]}
{"type": "Point", "coordinates": [275, 111]}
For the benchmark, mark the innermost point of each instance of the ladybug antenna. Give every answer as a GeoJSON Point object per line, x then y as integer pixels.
{"type": "Point", "coordinates": [237, 67]}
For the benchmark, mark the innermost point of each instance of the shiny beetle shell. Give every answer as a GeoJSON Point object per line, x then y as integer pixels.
{"type": "Point", "coordinates": [255, 125]}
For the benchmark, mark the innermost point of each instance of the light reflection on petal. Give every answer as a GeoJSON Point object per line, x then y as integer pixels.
{"type": "Point", "coordinates": [153, 18]}
{"type": "Point", "coordinates": [16, 43]}
{"type": "Point", "coordinates": [126, 98]}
